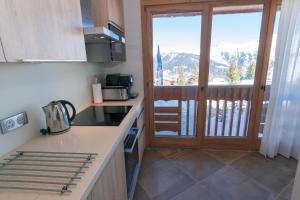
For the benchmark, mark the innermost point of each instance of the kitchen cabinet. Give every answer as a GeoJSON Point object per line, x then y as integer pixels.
{"type": "Point", "coordinates": [47, 30]}
{"type": "Point", "coordinates": [2, 57]}
{"type": "Point", "coordinates": [105, 12]}
{"type": "Point", "coordinates": [116, 13]}
{"type": "Point", "coordinates": [111, 185]}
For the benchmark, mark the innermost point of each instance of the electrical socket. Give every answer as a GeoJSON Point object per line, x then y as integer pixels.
{"type": "Point", "coordinates": [11, 123]}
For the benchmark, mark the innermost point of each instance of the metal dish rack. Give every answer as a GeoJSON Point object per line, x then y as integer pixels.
{"type": "Point", "coordinates": [44, 171]}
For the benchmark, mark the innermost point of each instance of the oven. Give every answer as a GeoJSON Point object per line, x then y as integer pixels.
{"type": "Point", "coordinates": [131, 150]}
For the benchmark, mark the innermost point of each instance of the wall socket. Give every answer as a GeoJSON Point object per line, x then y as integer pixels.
{"type": "Point", "coordinates": [11, 123]}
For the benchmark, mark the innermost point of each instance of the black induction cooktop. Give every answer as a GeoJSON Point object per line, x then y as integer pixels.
{"type": "Point", "coordinates": [101, 116]}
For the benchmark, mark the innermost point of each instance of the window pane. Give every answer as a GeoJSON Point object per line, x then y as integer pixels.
{"type": "Point", "coordinates": [265, 103]}
{"type": "Point", "coordinates": [233, 55]}
{"type": "Point", "coordinates": [273, 48]}
{"type": "Point", "coordinates": [176, 48]}
{"type": "Point", "coordinates": [234, 45]}
{"type": "Point", "coordinates": [176, 53]}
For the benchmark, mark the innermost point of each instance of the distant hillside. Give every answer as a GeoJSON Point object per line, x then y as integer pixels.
{"type": "Point", "coordinates": [171, 61]}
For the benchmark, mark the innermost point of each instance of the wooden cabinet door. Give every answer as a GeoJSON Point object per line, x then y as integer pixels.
{"type": "Point", "coordinates": [116, 13]}
{"type": "Point", "coordinates": [2, 57]}
{"type": "Point", "coordinates": [42, 30]}
{"type": "Point", "coordinates": [111, 185]}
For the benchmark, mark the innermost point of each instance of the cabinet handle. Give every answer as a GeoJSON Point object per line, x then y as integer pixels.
{"type": "Point", "coordinates": [134, 132]}
{"type": "Point", "coordinates": [47, 61]}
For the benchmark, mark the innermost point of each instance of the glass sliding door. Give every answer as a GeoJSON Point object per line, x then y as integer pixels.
{"type": "Point", "coordinates": [204, 63]}
{"type": "Point", "coordinates": [176, 38]}
{"type": "Point", "coordinates": [233, 55]}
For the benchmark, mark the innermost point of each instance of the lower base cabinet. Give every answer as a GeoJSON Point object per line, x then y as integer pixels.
{"type": "Point", "coordinates": [111, 185]}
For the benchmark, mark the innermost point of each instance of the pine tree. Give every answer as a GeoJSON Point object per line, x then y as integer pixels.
{"type": "Point", "coordinates": [181, 80]}
{"type": "Point", "coordinates": [234, 72]}
{"type": "Point", "coordinates": [194, 76]}
{"type": "Point", "coordinates": [250, 71]}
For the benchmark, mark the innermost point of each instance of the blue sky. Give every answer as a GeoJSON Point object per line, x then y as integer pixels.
{"type": "Point", "coordinates": [177, 33]}
{"type": "Point", "coordinates": [236, 28]}
{"type": "Point", "coordinates": [182, 34]}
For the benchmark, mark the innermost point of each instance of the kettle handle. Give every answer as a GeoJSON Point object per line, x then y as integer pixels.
{"type": "Point", "coordinates": [64, 103]}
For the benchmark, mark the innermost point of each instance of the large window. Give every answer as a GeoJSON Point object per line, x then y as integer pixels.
{"type": "Point", "coordinates": [176, 54]}
{"type": "Point", "coordinates": [234, 44]}
{"type": "Point", "coordinates": [233, 54]}
{"type": "Point", "coordinates": [205, 71]}
{"type": "Point", "coordinates": [176, 48]}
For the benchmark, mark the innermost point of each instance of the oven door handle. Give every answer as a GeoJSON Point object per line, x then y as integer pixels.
{"type": "Point", "coordinates": [136, 133]}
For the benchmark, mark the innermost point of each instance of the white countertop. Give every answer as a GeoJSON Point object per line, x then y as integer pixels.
{"type": "Point", "coordinates": [98, 139]}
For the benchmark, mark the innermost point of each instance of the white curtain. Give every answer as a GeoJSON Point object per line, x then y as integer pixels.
{"type": "Point", "coordinates": [282, 130]}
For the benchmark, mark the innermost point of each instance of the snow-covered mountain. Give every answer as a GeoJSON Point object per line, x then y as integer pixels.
{"type": "Point", "coordinates": [172, 61]}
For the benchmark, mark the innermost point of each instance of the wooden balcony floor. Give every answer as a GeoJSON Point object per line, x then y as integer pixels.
{"type": "Point", "coordinates": [187, 174]}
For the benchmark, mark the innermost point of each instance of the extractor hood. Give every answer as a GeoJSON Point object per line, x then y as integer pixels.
{"type": "Point", "coordinates": [101, 34]}
{"type": "Point", "coordinates": [104, 37]}
{"type": "Point", "coordinates": [96, 27]}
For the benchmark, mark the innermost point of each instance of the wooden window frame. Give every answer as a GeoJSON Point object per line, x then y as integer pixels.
{"type": "Point", "coordinates": [265, 42]}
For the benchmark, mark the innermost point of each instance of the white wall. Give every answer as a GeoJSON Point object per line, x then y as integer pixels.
{"type": "Point", "coordinates": [134, 61]}
{"type": "Point", "coordinates": [296, 146]}
{"type": "Point", "coordinates": [28, 87]}
{"type": "Point", "coordinates": [296, 190]}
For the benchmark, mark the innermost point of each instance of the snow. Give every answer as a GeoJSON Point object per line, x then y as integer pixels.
{"type": "Point", "coordinates": [232, 48]}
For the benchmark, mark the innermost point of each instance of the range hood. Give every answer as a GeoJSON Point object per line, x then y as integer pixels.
{"type": "Point", "coordinates": [97, 27]}
{"type": "Point", "coordinates": [104, 39]}
{"type": "Point", "coordinates": [101, 34]}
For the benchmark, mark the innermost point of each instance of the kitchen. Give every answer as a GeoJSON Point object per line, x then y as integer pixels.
{"type": "Point", "coordinates": [68, 50]}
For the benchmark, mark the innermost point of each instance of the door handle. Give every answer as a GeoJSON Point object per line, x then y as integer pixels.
{"type": "Point", "coordinates": [202, 88]}
{"type": "Point", "coordinates": [131, 139]}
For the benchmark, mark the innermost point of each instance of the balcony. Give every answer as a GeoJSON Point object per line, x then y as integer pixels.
{"type": "Point", "coordinates": [227, 111]}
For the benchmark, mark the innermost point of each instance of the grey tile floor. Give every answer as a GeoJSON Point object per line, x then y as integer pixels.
{"type": "Point", "coordinates": [185, 174]}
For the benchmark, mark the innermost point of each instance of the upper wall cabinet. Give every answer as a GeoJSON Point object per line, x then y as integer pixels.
{"type": "Point", "coordinates": [42, 30]}
{"type": "Point", "coordinates": [116, 13]}
{"type": "Point", "coordinates": [104, 12]}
